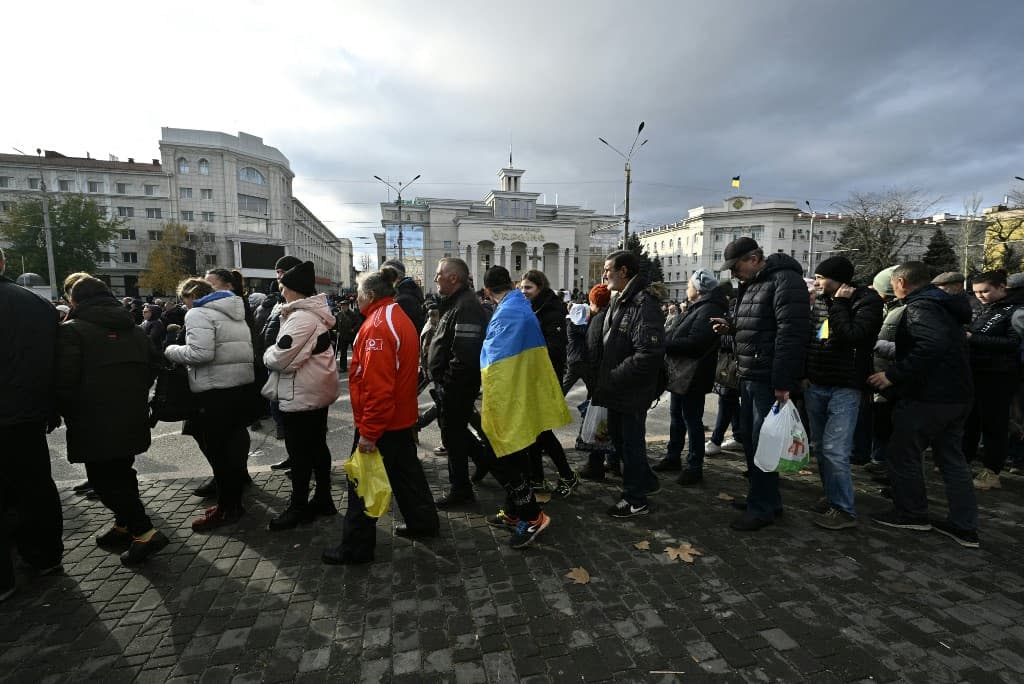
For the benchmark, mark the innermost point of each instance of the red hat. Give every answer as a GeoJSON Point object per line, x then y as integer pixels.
{"type": "Point", "coordinates": [600, 295]}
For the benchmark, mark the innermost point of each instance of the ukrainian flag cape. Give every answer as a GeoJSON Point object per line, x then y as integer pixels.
{"type": "Point", "coordinates": [522, 396]}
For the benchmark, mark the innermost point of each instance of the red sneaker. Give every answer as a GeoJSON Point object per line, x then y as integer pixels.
{"type": "Point", "coordinates": [215, 516]}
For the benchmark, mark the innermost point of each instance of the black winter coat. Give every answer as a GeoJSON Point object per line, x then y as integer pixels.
{"type": "Point", "coordinates": [595, 344]}
{"type": "Point", "coordinates": [633, 353]}
{"type": "Point", "coordinates": [932, 362]}
{"type": "Point", "coordinates": [844, 359]}
{"type": "Point", "coordinates": [576, 351]}
{"type": "Point", "coordinates": [692, 336]}
{"type": "Point", "coordinates": [772, 324]}
{"type": "Point", "coordinates": [105, 367]}
{"type": "Point", "coordinates": [550, 311]}
{"type": "Point", "coordinates": [409, 296]}
{"type": "Point", "coordinates": [28, 336]}
{"type": "Point", "coordinates": [155, 331]}
{"type": "Point", "coordinates": [994, 344]}
{"type": "Point", "coordinates": [454, 357]}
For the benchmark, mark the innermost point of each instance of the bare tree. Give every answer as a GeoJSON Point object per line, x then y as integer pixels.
{"type": "Point", "coordinates": [365, 262]}
{"type": "Point", "coordinates": [967, 229]}
{"type": "Point", "coordinates": [877, 231]}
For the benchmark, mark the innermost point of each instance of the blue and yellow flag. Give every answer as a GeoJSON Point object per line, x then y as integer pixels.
{"type": "Point", "coordinates": [735, 181]}
{"type": "Point", "coordinates": [522, 396]}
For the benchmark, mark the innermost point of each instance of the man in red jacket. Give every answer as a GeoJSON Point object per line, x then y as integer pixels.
{"type": "Point", "coordinates": [383, 379]}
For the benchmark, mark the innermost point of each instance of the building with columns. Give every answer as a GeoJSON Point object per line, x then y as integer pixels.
{"type": "Point", "coordinates": [509, 227]}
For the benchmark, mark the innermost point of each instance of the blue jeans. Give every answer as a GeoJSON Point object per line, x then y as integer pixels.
{"type": "Point", "coordinates": [686, 412]}
{"type": "Point", "coordinates": [728, 413]}
{"type": "Point", "coordinates": [763, 498]}
{"type": "Point", "coordinates": [832, 412]}
{"type": "Point", "coordinates": [628, 432]}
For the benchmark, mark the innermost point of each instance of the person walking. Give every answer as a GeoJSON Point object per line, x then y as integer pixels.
{"type": "Point", "coordinates": [931, 378]}
{"type": "Point", "coordinates": [599, 298]}
{"type": "Point", "coordinates": [408, 295]}
{"type": "Point", "coordinates": [304, 381]}
{"type": "Point", "coordinates": [105, 367]}
{"type": "Point", "coordinates": [382, 382]}
{"type": "Point", "coordinates": [347, 327]}
{"type": "Point", "coordinates": [153, 326]}
{"type": "Point", "coordinates": [882, 358]}
{"type": "Point", "coordinates": [576, 361]}
{"type": "Point", "coordinates": [839, 358]}
{"type": "Point", "coordinates": [771, 328]}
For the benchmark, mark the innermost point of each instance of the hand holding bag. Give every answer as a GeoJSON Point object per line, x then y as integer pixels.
{"type": "Point", "coordinates": [782, 442]}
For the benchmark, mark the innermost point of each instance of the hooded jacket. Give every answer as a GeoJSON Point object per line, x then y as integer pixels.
{"type": "Point", "coordinates": [550, 311]}
{"type": "Point", "coordinates": [772, 324]}
{"type": "Point", "coordinates": [409, 296]}
{"type": "Point", "coordinates": [301, 363]}
{"type": "Point", "coordinates": [693, 336]}
{"type": "Point", "coordinates": [28, 336]}
{"type": "Point", "coordinates": [218, 344]}
{"type": "Point", "coordinates": [842, 358]}
{"type": "Point", "coordinates": [932, 362]}
{"type": "Point", "coordinates": [994, 344]}
{"type": "Point", "coordinates": [105, 367]}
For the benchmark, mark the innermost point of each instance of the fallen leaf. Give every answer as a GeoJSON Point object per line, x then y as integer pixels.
{"type": "Point", "coordinates": [683, 552]}
{"type": "Point", "coordinates": [643, 545]}
{"type": "Point", "coordinates": [726, 497]}
{"type": "Point", "coordinates": [578, 576]}
{"type": "Point", "coordinates": [542, 498]}
{"type": "Point", "coordinates": [805, 472]}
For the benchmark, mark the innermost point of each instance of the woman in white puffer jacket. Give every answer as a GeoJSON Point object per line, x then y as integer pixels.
{"type": "Point", "coordinates": [304, 380]}
{"type": "Point", "coordinates": [218, 354]}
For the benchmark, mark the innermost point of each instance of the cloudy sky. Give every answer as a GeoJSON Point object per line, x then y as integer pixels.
{"type": "Point", "coordinates": [805, 100]}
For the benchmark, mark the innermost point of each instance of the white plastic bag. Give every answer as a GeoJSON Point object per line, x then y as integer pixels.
{"type": "Point", "coordinates": [595, 425]}
{"type": "Point", "coordinates": [782, 444]}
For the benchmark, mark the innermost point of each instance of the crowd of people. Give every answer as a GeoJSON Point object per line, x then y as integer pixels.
{"type": "Point", "coordinates": [880, 374]}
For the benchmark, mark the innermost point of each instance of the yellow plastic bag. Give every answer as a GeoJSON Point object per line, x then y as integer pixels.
{"type": "Point", "coordinates": [367, 474]}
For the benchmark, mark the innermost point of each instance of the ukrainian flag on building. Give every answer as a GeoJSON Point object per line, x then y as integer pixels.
{"type": "Point", "coordinates": [522, 396]}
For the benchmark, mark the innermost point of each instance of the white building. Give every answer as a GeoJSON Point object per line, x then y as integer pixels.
{"type": "Point", "coordinates": [233, 193]}
{"type": "Point", "coordinates": [508, 228]}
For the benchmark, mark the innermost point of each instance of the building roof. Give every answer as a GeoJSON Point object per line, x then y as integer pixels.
{"type": "Point", "coordinates": [56, 159]}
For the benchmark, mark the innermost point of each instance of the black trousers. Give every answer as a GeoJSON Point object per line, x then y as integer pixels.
{"type": "Point", "coordinates": [511, 472]}
{"type": "Point", "coordinates": [574, 372]}
{"type": "Point", "coordinates": [408, 484]}
{"type": "Point", "coordinates": [31, 521]}
{"type": "Point", "coordinates": [990, 418]}
{"type": "Point", "coordinates": [548, 442]}
{"type": "Point", "coordinates": [118, 487]}
{"type": "Point", "coordinates": [226, 447]}
{"type": "Point", "coordinates": [455, 411]}
{"type": "Point", "coordinates": [305, 438]}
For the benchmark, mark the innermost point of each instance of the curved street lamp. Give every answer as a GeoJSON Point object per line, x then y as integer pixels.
{"type": "Point", "coordinates": [401, 252]}
{"type": "Point", "coordinates": [628, 156]}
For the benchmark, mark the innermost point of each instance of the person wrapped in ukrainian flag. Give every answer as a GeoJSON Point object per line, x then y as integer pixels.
{"type": "Point", "coordinates": [521, 399]}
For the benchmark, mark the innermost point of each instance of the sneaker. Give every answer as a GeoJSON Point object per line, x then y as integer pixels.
{"type": "Point", "coordinates": [526, 532]}
{"type": "Point", "coordinates": [116, 538]}
{"type": "Point", "coordinates": [441, 450]}
{"type": "Point", "coordinates": [711, 449]}
{"type": "Point", "coordinates": [141, 550]}
{"type": "Point", "coordinates": [563, 488]}
{"type": "Point", "coordinates": [967, 538]}
{"type": "Point", "coordinates": [689, 478]}
{"type": "Point", "coordinates": [291, 518]}
{"type": "Point", "coordinates": [731, 445]}
{"type": "Point", "coordinates": [893, 518]}
{"type": "Point", "coordinates": [987, 479]}
{"type": "Point", "coordinates": [666, 465]}
{"type": "Point", "coordinates": [214, 517]}
{"type": "Point", "coordinates": [502, 519]}
{"type": "Point", "coordinates": [835, 519]}
{"type": "Point", "coordinates": [624, 509]}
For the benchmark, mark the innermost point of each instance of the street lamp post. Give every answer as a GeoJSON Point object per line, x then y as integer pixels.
{"type": "Point", "coordinates": [628, 156]}
{"type": "Point", "coordinates": [810, 243]}
{"type": "Point", "coordinates": [398, 190]}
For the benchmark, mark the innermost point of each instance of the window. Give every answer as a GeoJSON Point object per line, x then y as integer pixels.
{"type": "Point", "coordinates": [95, 186]}
{"type": "Point", "coordinates": [209, 237]}
{"type": "Point", "coordinates": [208, 216]}
{"type": "Point", "coordinates": [126, 212]}
{"type": "Point", "coordinates": [151, 189]}
{"type": "Point", "coordinates": [204, 167]}
{"type": "Point", "coordinates": [255, 205]}
{"type": "Point", "coordinates": [128, 234]}
{"type": "Point", "coordinates": [210, 259]}
{"type": "Point", "coordinates": [188, 216]}
{"type": "Point", "coordinates": [122, 188]}
{"type": "Point", "coordinates": [718, 256]}
{"type": "Point", "coordinates": [129, 257]}
{"type": "Point", "coordinates": [154, 213]}
{"type": "Point", "coordinates": [184, 193]}
{"type": "Point", "coordinates": [33, 183]}
{"type": "Point", "coordinates": [155, 235]}
{"type": "Point", "coordinates": [182, 165]}
{"type": "Point", "coordinates": [104, 258]}
{"type": "Point", "coordinates": [206, 193]}
{"type": "Point", "coordinates": [782, 233]}
{"type": "Point", "coordinates": [251, 175]}
{"type": "Point", "coordinates": [64, 185]}
{"type": "Point", "coordinates": [5, 182]}
{"type": "Point", "coordinates": [694, 257]}
{"type": "Point", "coordinates": [447, 244]}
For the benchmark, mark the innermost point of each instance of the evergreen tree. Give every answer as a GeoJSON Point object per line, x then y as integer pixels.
{"type": "Point", "coordinates": [940, 255]}
{"type": "Point", "coordinates": [634, 246]}
{"type": "Point", "coordinates": [656, 275]}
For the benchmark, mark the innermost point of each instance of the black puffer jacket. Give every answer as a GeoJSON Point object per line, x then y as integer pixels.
{"type": "Point", "coordinates": [454, 357]}
{"type": "Point", "coordinates": [550, 311]}
{"type": "Point", "coordinates": [409, 296]}
{"type": "Point", "coordinates": [28, 335]}
{"type": "Point", "coordinates": [633, 353]}
{"type": "Point", "coordinates": [105, 367]}
{"type": "Point", "coordinates": [994, 344]}
{"type": "Point", "coordinates": [843, 359]}
{"type": "Point", "coordinates": [772, 324]}
{"type": "Point", "coordinates": [692, 336]}
{"type": "Point", "coordinates": [932, 362]}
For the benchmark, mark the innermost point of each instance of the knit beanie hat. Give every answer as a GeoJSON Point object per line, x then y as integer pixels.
{"type": "Point", "coordinates": [287, 262]}
{"type": "Point", "coordinates": [704, 280]}
{"type": "Point", "coordinates": [837, 268]}
{"type": "Point", "coordinates": [600, 295]}
{"type": "Point", "coordinates": [883, 282]}
{"type": "Point", "coordinates": [395, 264]}
{"type": "Point", "coordinates": [301, 278]}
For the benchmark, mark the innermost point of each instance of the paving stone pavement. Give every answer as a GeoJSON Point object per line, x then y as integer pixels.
{"type": "Point", "coordinates": [789, 603]}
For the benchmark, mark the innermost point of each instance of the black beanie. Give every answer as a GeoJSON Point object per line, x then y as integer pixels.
{"type": "Point", "coordinates": [286, 263]}
{"type": "Point", "coordinates": [836, 268]}
{"type": "Point", "coordinates": [301, 278]}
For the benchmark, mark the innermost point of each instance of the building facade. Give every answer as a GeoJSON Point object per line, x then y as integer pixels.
{"type": "Point", "coordinates": [232, 193]}
{"type": "Point", "coordinates": [509, 227]}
